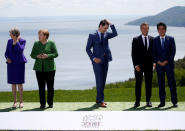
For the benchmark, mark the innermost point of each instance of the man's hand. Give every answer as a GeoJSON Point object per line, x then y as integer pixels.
{"type": "Point", "coordinates": [154, 66]}
{"type": "Point", "coordinates": [108, 22]}
{"type": "Point", "coordinates": [160, 63]}
{"type": "Point", "coordinates": [9, 61]}
{"type": "Point", "coordinates": [138, 69]}
{"type": "Point", "coordinates": [164, 63]}
{"type": "Point", "coordinates": [97, 60]}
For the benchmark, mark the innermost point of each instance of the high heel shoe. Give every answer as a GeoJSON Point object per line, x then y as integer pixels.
{"type": "Point", "coordinates": [21, 105]}
{"type": "Point", "coordinates": [14, 105]}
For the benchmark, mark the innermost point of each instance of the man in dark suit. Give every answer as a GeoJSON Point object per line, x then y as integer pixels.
{"type": "Point", "coordinates": [163, 53]}
{"type": "Point", "coordinates": [143, 63]}
{"type": "Point", "coordinates": [100, 56]}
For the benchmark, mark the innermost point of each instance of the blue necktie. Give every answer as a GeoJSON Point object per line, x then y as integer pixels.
{"type": "Point", "coordinates": [162, 43]}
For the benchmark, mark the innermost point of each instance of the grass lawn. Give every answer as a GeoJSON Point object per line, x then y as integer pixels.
{"type": "Point", "coordinates": [111, 95]}
{"type": "Point", "coordinates": [90, 106]}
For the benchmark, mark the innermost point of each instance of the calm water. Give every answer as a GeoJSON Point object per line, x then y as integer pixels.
{"type": "Point", "coordinates": [74, 69]}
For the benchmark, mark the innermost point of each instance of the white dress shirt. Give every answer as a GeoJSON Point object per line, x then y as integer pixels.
{"type": "Point", "coordinates": [143, 37]}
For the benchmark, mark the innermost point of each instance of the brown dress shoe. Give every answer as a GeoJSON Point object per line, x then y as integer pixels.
{"type": "Point", "coordinates": [97, 102]}
{"type": "Point", "coordinates": [103, 104]}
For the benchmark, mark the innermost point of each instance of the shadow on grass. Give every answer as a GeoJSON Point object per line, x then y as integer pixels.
{"type": "Point", "coordinates": [93, 107]}
{"type": "Point", "coordinates": [135, 109]}
{"type": "Point", "coordinates": [35, 109]}
{"type": "Point", "coordinates": [144, 108]}
{"type": "Point", "coordinates": [9, 109]}
{"type": "Point", "coordinates": [159, 109]}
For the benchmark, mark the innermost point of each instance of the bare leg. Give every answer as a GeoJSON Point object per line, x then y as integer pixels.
{"type": "Point", "coordinates": [20, 86]}
{"type": "Point", "coordinates": [14, 90]}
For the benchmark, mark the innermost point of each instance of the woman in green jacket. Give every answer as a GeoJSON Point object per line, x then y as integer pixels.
{"type": "Point", "coordinates": [44, 51]}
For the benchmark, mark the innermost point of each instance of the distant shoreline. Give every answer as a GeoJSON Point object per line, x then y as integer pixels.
{"type": "Point", "coordinates": [174, 16]}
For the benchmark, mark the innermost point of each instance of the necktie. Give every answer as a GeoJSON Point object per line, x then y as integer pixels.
{"type": "Point", "coordinates": [145, 43]}
{"type": "Point", "coordinates": [102, 38]}
{"type": "Point", "coordinates": [162, 43]}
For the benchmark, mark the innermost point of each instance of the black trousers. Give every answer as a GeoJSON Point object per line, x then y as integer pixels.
{"type": "Point", "coordinates": [44, 78]}
{"type": "Point", "coordinates": [148, 74]}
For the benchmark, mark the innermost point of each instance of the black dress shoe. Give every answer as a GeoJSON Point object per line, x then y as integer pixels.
{"type": "Point", "coordinates": [175, 105]}
{"type": "Point", "coordinates": [136, 105]}
{"type": "Point", "coordinates": [149, 104]}
{"type": "Point", "coordinates": [42, 107]}
{"type": "Point", "coordinates": [50, 106]}
{"type": "Point", "coordinates": [161, 105]}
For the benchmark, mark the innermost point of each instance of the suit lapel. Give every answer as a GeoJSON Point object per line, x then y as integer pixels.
{"type": "Point", "coordinates": [98, 37]}
{"type": "Point", "coordinates": [159, 43]}
{"type": "Point", "coordinates": [166, 43]}
{"type": "Point", "coordinates": [150, 41]}
{"type": "Point", "coordinates": [141, 41]}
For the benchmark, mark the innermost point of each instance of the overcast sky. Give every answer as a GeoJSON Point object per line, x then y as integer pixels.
{"type": "Point", "coordinates": [84, 7]}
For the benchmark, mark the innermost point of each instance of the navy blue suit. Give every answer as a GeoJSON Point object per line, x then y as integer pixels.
{"type": "Point", "coordinates": [162, 54]}
{"type": "Point", "coordinates": [100, 49]}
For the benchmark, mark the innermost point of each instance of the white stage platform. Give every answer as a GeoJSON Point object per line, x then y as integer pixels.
{"type": "Point", "coordinates": [93, 120]}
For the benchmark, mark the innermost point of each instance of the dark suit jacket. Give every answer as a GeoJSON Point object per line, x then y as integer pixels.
{"type": "Point", "coordinates": [139, 54]}
{"type": "Point", "coordinates": [16, 53]}
{"type": "Point", "coordinates": [168, 53]}
{"type": "Point", "coordinates": [98, 48]}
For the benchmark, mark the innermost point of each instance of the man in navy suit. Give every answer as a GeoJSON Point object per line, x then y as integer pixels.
{"type": "Point", "coordinates": [163, 53]}
{"type": "Point", "coordinates": [100, 56]}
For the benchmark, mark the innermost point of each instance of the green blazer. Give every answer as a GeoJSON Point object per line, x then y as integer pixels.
{"type": "Point", "coordinates": [48, 64]}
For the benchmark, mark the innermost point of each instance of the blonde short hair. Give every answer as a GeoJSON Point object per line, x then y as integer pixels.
{"type": "Point", "coordinates": [15, 32]}
{"type": "Point", "coordinates": [45, 32]}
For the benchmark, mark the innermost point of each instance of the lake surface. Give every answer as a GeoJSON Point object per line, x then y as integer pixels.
{"type": "Point", "coordinates": [74, 68]}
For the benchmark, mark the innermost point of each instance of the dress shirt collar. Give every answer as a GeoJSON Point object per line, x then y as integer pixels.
{"type": "Point", "coordinates": [144, 36]}
{"type": "Point", "coordinates": [162, 37]}
{"type": "Point", "coordinates": [99, 33]}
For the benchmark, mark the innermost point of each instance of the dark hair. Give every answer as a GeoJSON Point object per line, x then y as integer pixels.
{"type": "Point", "coordinates": [103, 22]}
{"type": "Point", "coordinates": [144, 24]}
{"type": "Point", "coordinates": [161, 24]}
